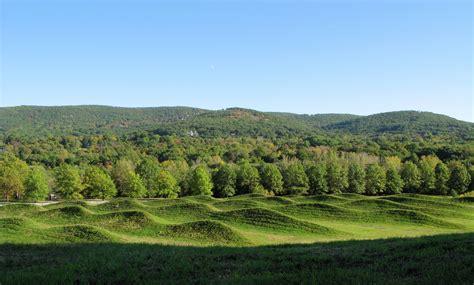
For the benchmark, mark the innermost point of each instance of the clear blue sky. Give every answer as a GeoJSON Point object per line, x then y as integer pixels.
{"type": "Point", "coordinates": [359, 57]}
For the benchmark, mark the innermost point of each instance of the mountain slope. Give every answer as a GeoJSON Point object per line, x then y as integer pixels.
{"type": "Point", "coordinates": [405, 122]}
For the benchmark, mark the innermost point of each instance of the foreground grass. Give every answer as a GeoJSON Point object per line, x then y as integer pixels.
{"type": "Point", "coordinates": [444, 259]}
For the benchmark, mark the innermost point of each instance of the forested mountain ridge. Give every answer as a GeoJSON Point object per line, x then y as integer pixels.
{"type": "Point", "coordinates": [70, 120]}
{"type": "Point", "coordinates": [406, 122]}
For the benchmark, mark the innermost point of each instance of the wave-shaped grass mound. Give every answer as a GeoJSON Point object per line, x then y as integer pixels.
{"type": "Point", "coordinates": [274, 200]}
{"type": "Point", "coordinates": [319, 210]}
{"type": "Point", "coordinates": [188, 212]}
{"type": "Point", "coordinates": [130, 220]}
{"type": "Point", "coordinates": [269, 219]}
{"type": "Point", "coordinates": [414, 217]}
{"type": "Point", "coordinates": [424, 202]}
{"type": "Point", "coordinates": [201, 199]}
{"type": "Point", "coordinates": [80, 233]}
{"type": "Point", "coordinates": [235, 204]}
{"type": "Point", "coordinates": [120, 204]}
{"type": "Point", "coordinates": [67, 211]}
{"type": "Point", "coordinates": [376, 204]}
{"type": "Point", "coordinates": [205, 231]}
{"type": "Point", "coordinates": [329, 199]}
{"type": "Point", "coordinates": [19, 208]}
{"type": "Point", "coordinates": [14, 223]}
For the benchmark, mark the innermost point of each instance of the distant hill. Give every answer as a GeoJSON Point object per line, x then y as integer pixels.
{"type": "Point", "coordinates": [64, 120]}
{"type": "Point", "coordinates": [405, 122]}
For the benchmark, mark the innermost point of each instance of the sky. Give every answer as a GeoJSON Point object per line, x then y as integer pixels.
{"type": "Point", "coordinates": [359, 57]}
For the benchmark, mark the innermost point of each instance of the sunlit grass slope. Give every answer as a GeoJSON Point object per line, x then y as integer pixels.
{"type": "Point", "coordinates": [239, 221]}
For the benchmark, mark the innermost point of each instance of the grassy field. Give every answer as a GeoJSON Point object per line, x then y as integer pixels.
{"type": "Point", "coordinates": [295, 239]}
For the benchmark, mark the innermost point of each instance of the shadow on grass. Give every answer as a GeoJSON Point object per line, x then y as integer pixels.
{"type": "Point", "coordinates": [443, 259]}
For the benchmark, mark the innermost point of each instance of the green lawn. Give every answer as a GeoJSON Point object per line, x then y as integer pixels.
{"type": "Point", "coordinates": [327, 239]}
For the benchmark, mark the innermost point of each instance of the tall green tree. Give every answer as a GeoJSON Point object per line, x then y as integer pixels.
{"type": "Point", "coordinates": [132, 186]}
{"type": "Point", "coordinates": [121, 174]}
{"type": "Point", "coordinates": [375, 180]}
{"type": "Point", "coordinates": [68, 182]}
{"type": "Point", "coordinates": [149, 170]}
{"type": "Point", "coordinates": [336, 177]}
{"type": "Point", "coordinates": [295, 179]}
{"type": "Point", "coordinates": [200, 183]}
{"type": "Point", "coordinates": [248, 179]}
{"type": "Point", "coordinates": [36, 184]}
{"type": "Point", "coordinates": [427, 175]}
{"type": "Point", "coordinates": [98, 184]}
{"type": "Point", "coordinates": [12, 174]}
{"type": "Point", "coordinates": [356, 178]}
{"type": "Point", "coordinates": [167, 186]}
{"type": "Point", "coordinates": [442, 177]}
{"type": "Point", "coordinates": [411, 177]}
{"type": "Point", "coordinates": [394, 183]}
{"type": "Point", "coordinates": [225, 181]}
{"type": "Point", "coordinates": [271, 178]}
{"type": "Point", "coordinates": [460, 178]}
{"type": "Point", "coordinates": [317, 179]}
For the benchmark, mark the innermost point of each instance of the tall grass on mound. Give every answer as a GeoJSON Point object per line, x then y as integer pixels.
{"type": "Point", "coordinates": [80, 233]}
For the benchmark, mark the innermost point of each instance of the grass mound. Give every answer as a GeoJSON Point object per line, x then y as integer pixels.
{"type": "Point", "coordinates": [235, 204]}
{"type": "Point", "coordinates": [132, 219]}
{"type": "Point", "coordinates": [273, 200]}
{"type": "Point", "coordinates": [318, 210]}
{"type": "Point", "coordinates": [81, 233]}
{"type": "Point", "coordinates": [207, 232]}
{"type": "Point", "coordinates": [68, 211]}
{"type": "Point", "coordinates": [414, 217]}
{"type": "Point", "coordinates": [269, 219]}
{"type": "Point", "coordinates": [120, 204]}
{"type": "Point", "coordinates": [376, 204]}
{"type": "Point", "coordinates": [201, 199]}
{"type": "Point", "coordinates": [466, 199]}
{"type": "Point", "coordinates": [184, 212]}
{"type": "Point", "coordinates": [13, 223]}
{"type": "Point", "coordinates": [19, 208]}
{"type": "Point", "coordinates": [329, 199]}
{"type": "Point", "coordinates": [423, 201]}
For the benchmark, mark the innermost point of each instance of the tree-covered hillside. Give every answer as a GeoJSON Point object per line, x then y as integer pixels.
{"type": "Point", "coordinates": [34, 121]}
{"type": "Point", "coordinates": [406, 122]}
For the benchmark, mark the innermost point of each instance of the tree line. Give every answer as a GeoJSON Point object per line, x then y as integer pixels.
{"type": "Point", "coordinates": [150, 178]}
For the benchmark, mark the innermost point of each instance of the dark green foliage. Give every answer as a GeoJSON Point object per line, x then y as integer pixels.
{"type": "Point", "coordinates": [375, 180]}
{"type": "Point", "coordinates": [68, 182]}
{"type": "Point", "coordinates": [394, 184]}
{"type": "Point", "coordinates": [248, 179]}
{"type": "Point", "coordinates": [317, 179]}
{"type": "Point", "coordinates": [225, 181]}
{"type": "Point", "coordinates": [356, 178]}
{"type": "Point", "coordinates": [98, 184]}
{"type": "Point", "coordinates": [201, 182]}
{"type": "Point", "coordinates": [271, 178]}
{"type": "Point", "coordinates": [459, 179]}
{"type": "Point", "coordinates": [36, 184]}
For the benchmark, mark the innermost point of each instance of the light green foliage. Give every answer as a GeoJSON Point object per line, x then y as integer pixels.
{"type": "Point", "coordinates": [460, 178]}
{"type": "Point", "coordinates": [148, 169]}
{"type": "Point", "coordinates": [200, 183]}
{"type": "Point", "coordinates": [394, 183]}
{"type": "Point", "coordinates": [12, 174]}
{"type": "Point", "coordinates": [427, 175]}
{"type": "Point", "coordinates": [336, 177]}
{"type": "Point", "coordinates": [271, 178]}
{"type": "Point", "coordinates": [411, 177]}
{"type": "Point", "coordinates": [36, 184]}
{"type": "Point", "coordinates": [356, 178]}
{"type": "Point", "coordinates": [442, 177]}
{"type": "Point", "coordinates": [121, 174]}
{"type": "Point", "coordinates": [167, 187]}
{"type": "Point", "coordinates": [248, 179]}
{"type": "Point", "coordinates": [295, 179]}
{"type": "Point", "coordinates": [68, 182]}
{"type": "Point", "coordinates": [225, 181]}
{"type": "Point", "coordinates": [317, 179]}
{"type": "Point", "coordinates": [132, 186]}
{"type": "Point", "coordinates": [375, 180]}
{"type": "Point", "coordinates": [98, 184]}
